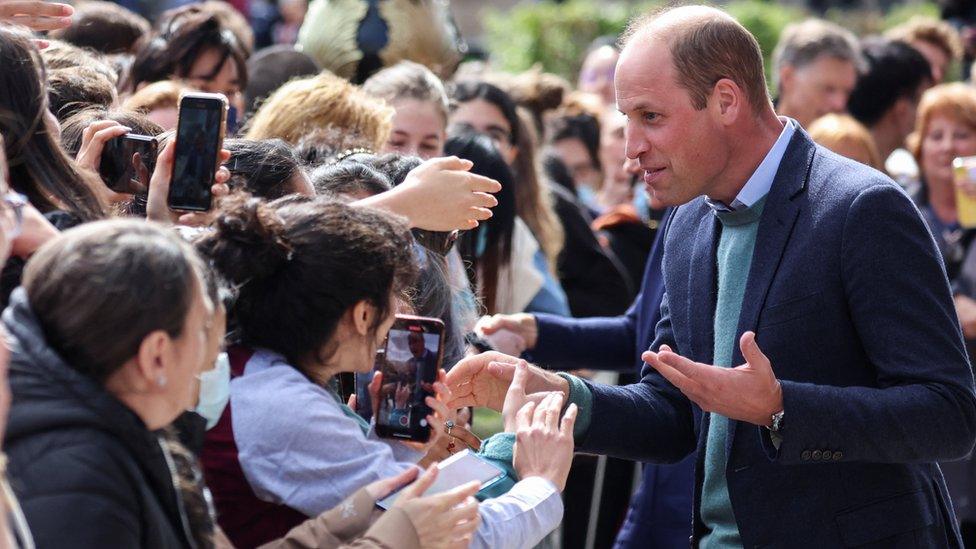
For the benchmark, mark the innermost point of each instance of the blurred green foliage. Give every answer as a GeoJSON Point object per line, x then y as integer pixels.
{"type": "Point", "coordinates": [555, 36]}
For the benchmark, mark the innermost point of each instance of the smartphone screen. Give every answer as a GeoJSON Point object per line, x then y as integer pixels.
{"type": "Point", "coordinates": [199, 135]}
{"type": "Point", "coordinates": [128, 162]}
{"type": "Point", "coordinates": [457, 470]}
{"type": "Point", "coordinates": [411, 361]}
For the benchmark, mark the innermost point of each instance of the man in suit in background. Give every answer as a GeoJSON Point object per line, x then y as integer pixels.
{"type": "Point", "coordinates": [808, 346]}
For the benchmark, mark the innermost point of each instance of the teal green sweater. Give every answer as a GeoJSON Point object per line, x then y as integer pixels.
{"type": "Point", "coordinates": [733, 261]}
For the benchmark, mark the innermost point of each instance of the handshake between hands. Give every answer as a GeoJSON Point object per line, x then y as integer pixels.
{"type": "Point", "coordinates": [543, 448]}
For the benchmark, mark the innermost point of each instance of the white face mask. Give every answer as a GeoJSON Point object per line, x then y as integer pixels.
{"type": "Point", "coordinates": [214, 391]}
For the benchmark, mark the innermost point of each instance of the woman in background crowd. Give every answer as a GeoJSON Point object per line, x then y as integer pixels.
{"type": "Point", "coordinates": [946, 130]}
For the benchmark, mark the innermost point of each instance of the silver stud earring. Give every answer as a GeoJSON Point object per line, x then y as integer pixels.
{"type": "Point", "coordinates": [161, 381]}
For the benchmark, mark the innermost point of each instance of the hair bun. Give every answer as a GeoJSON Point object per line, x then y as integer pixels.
{"type": "Point", "coordinates": [249, 242]}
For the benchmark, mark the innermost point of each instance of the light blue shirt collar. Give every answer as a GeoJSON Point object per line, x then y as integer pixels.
{"type": "Point", "coordinates": [762, 179]}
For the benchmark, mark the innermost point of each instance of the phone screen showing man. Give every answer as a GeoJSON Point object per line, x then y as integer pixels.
{"type": "Point", "coordinates": [409, 366]}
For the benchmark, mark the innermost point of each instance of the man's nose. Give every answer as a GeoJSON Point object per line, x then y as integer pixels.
{"type": "Point", "coordinates": [636, 143]}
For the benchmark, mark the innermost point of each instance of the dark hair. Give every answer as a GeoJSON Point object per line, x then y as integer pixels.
{"type": "Point", "coordinates": [75, 88]}
{"type": "Point", "coordinates": [395, 166]}
{"type": "Point", "coordinates": [263, 167]}
{"type": "Point", "coordinates": [584, 127]}
{"type": "Point", "coordinates": [489, 247]}
{"type": "Point", "coordinates": [270, 68]}
{"type": "Point", "coordinates": [38, 166]}
{"type": "Point", "coordinates": [346, 178]}
{"type": "Point", "coordinates": [556, 171]}
{"type": "Point", "coordinates": [62, 55]}
{"type": "Point", "coordinates": [88, 291]}
{"type": "Point", "coordinates": [300, 266]}
{"type": "Point", "coordinates": [173, 51]}
{"type": "Point", "coordinates": [895, 70]}
{"type": "Point", "coordinates": [105, 27]}
{"type": "Point", "coordinates": [230, 18]}
{"type": "Point", "coordinates": [464, 92]}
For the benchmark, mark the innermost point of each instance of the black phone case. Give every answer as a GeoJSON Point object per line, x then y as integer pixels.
{"type": "Point", "coordinates": [205, 198]}
{"type": "Point", "coordinates": [417, 430]}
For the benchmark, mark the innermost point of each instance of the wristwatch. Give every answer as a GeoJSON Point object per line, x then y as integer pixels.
{"type": "Point", "coordinates": [777, 424]}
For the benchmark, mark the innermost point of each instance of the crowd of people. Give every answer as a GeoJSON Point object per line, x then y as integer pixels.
{"type": "Point", "coordinates": [176, 377]}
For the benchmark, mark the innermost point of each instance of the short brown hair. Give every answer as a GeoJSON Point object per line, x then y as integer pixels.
{"type": "Point", "coordinates": [105, 27]}
{"type": "Point", "coordinates": [926, 29]}
{"type": "Point", "coordinates": [956, 101]}
{"type": "Point", "coordinates": [75, 88]}
{"type": "Point", "coordinates": [87, 290]}
{"type": "Point", "coordinates": [707, 48]}
{"type": "Point", "coordinates": [62, 55]}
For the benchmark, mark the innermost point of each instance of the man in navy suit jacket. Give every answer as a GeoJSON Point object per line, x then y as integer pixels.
{"type": "Point", "coordinates": [660, 510]}
{"type": "Point", "coordinates": [852, 379]}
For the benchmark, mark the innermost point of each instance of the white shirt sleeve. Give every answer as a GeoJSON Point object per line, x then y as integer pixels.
{"type": "Point", "coordinates": [521, 518]}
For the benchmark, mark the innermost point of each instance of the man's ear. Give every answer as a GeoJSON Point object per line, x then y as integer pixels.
{"type": "Point", "coordinates": [363, 316]}
{"type": "Point", "coordinates": [728, 100]}
{"type": "Point", "coordinates": [152, 361]}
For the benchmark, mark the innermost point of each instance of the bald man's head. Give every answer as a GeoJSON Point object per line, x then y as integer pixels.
{"type": "Point", "coordinates": [706, 45]}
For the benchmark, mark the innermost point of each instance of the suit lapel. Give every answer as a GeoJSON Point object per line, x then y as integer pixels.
{"type": "Point", "coordinates": [702, 288]}
{"type": "Point", "coordinates": [775, 227]}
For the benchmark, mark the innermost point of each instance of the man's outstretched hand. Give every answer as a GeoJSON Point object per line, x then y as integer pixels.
{"type": "Point", "coordinates": [749, 392]}
{"type": "Point", "coordinates": [483, 381]}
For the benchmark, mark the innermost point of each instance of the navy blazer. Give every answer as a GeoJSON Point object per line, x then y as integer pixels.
{"type": "Point", "coordinates": [849, 300]}
{"type": "Point", "coordinates": [605, 343]}
{"type": "Point", "coordinates": [661, 508]}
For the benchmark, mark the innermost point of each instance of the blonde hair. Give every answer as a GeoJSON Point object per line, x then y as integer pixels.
{"type": "Point", "coordinates": [306, 104]}
{"type": "Point", "coordinates": [926, 29]}
{"type": "Point", "coordinates": [164, 94]}
{"type": "Point", "coordinates": [533, 201]}
{"type": "Point", "coordinates": [409, 80]}
{"type": "Point", "coordinates": [955, 100]}
{"type": "Point", "coordinates": [843, 134]}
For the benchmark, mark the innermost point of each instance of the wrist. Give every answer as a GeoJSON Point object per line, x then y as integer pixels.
{"type": "Point", "coordinates": [776, 406]}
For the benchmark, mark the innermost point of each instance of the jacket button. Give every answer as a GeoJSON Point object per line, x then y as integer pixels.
{"type": "Point", "coordinates": [817, 454]}
{"type": "Point", "coordinates": [805, 456]}
{"type": "Point", "coordinates": [827, 455]}
{"type": "Point", "coordinates": [838, 456]}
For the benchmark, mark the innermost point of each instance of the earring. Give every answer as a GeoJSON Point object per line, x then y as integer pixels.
{"type": "Point", "coordinates": [161, 381]}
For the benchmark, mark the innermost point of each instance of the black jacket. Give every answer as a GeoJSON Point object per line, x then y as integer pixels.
{"type": "Point", "coordinates": [87, 471]}
{"type": "Point", "coordinates": [591, 276]}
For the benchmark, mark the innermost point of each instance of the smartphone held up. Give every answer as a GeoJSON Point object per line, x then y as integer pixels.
{"type": "Point", "coordinates": [410, 362]}
{"type": "Point", "coordinates": [199, 139]}
{"type": "Point", "coordinates": [128, 162]}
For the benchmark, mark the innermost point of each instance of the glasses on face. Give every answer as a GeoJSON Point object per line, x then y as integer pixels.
{"type": "Point", "coordinates": [12, 211]}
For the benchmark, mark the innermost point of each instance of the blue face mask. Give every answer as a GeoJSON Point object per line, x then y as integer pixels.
{"type": "Point", "coordinates": [588, 197]}
{"type": "Point", "coordinates": [214, 391]}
